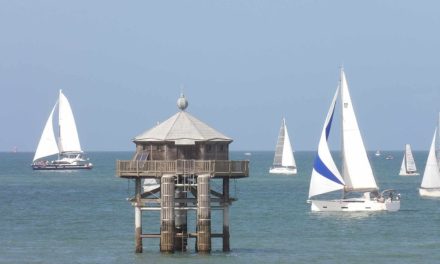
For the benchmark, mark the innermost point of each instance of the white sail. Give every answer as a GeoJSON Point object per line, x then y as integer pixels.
{"type": "Point", "coordinates": [437, 142]}
{"type": "Point", "coordinates": [357, 171]}
{"type": "Point", "coordinates": [69, 141]}
{"type": "Point", "coordinates": [47, 145]}
{"type": "Point", "coordinates": [283, 150]}
{"type": "Point", "coordinates": [408, 163]}
{"type": "Point", "coordinates": [403, 167]}
{"type": "Point", "coordinates": [325, 175]}
{"type": "Point", "coordinates": [278, 158]}
{"type": "Point", "coordinates": [288, 159]}
{"type": "Point", "coordinates": [431, 176]}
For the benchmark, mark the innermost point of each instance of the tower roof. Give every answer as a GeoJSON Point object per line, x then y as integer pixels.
{"type": "Point", "coordinates": [182, 128]}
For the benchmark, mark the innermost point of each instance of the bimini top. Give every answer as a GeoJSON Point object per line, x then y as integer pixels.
{"type": "Point", "coordinates": [182, 128]}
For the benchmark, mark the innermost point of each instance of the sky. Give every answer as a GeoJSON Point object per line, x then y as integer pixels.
{"type": "Point", "coordinates": [243, 65]}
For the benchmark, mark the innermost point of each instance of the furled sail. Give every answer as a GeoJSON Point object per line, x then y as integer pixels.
{"type": "Point", "coordinates": [357, 171]}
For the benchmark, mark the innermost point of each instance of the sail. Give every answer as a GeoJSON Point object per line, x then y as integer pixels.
{"type": "Point", "coordinates": [437, 142]}
{"type": "Point", "coordinates": [69, 141]}
{"type": "Point", "coordinates": [357, 171]}
{"type": "Point", "coordinates": [287, 159]}
{"type": "Point", "coordinates": [403, 166]}
{"type": "Point", "coordinates": [47, 145]}
{"type": "Point", "coordinates": [325, 175]}
{"type": "Point", "coordinates": [431, 176]}
{"type": "Point", "coordinates": [278, 158]}
{"type": "Point", "coordinates": [409, 160]}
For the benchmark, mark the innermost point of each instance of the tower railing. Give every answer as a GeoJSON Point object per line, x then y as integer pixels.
{"type": "Point", "coordinates": [157, 168]}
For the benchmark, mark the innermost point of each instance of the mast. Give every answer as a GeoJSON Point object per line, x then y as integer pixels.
{"type": "Point", "coordinates": [343, 166]}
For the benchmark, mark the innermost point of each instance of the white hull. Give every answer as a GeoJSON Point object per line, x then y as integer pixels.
{"type": "Point", "coordinates": [354, 205]}
{"type": "Point", "coordinates": [429, 192]}
{"type": "Point", "coordinates": [283, 170]}
{"type": "Point", "coordinates": [150, 185]}
{"type": "Point", "coordinates": [409, 174]}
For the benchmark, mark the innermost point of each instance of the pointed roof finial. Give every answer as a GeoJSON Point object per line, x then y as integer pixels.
{"type": "Point", "coordinates": [182, 103]}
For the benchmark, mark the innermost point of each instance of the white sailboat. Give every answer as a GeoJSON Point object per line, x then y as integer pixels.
{"type": "Point", "coordinates": [283, 162]}
{"type": "Point", "coordinates": [357, 175]}
{"type": "Point", "coordinates": [408, 167]}
{"type": "Point", "coordinates": [68, 148]}
{"type": "Point", "coordinates": [430, 186]}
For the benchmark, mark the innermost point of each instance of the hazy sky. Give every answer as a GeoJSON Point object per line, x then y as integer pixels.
{"type": "Point", "coordinates": [243, 64]}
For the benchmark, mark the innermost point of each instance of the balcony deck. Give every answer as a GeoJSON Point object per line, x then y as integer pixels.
{"type": "Point", "coordinates": [158, 168]}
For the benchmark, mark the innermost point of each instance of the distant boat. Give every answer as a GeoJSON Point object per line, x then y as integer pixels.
{"type": "Point", "coordinates": [248, 154]}
{"type": "Point", "coordinates": [377, 153]}
{"type": "Point", "coordinates": [357, 176]}
{"type": "Point", "coordinates": [430, 186]}
{"type": "Point", "coordinates": [389, 157]}
{"type": "Point", "coordinates": [408, 167]}
{"type": "Point", "coordinates": [151, 185]}
{"type": "Point", "coordinates": [68, 148]}
{"type": "Point", "coordinates": [283, 162]}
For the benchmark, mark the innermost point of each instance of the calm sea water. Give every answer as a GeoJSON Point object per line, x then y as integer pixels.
{"type": "Point", "coordinates": [83, 217]}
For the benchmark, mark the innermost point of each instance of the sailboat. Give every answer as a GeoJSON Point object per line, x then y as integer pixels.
{"type": "Point", "coordinates": [408, 167]}
{"type": "Point", "coordinates": [68, 148]}
{"type": "Point", "coordinates": [360, 190]}
{"type": "Point", "coordinates": [283, 162]}
{"type": "Point", "coordinates": [430, 186]}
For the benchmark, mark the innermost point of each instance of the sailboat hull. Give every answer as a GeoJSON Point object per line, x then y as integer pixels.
{"type": "Point", "coordinates": [283, 170]}
{"type": "Point", "coordinates": [434, 192]}
{"type": "Point", "coordinates": [409, 174]}
{"type": "Point", "coordinates": [354, 205]}
{"type": "Point", "coordinates": [62, 167]}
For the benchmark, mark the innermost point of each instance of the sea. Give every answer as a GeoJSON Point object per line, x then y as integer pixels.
{"type": "Point", "coordinates": [84, 217]}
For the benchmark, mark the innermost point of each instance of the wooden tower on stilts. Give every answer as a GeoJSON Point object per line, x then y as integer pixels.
{"type": "Point", "coordinates": [173, 167]}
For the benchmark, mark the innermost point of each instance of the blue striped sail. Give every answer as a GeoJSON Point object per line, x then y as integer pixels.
{"type": "Point", "coordinates": [325, 175]}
